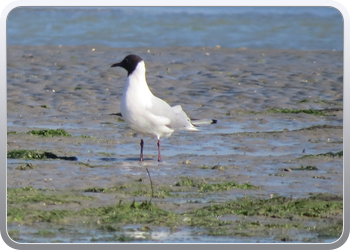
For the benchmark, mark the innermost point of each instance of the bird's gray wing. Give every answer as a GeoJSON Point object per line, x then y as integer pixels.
{"type": "Point", "coordinates": [177, 117]}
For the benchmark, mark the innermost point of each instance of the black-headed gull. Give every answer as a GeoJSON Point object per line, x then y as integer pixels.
{"type": "Point", "coordinates": [146, 113]}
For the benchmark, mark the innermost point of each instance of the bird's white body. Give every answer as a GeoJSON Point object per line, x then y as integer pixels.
{"type": "Point", "coordinates": [148, 114]}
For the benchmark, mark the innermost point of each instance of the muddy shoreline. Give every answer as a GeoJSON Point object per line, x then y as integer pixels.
{"type": "Point", "coordinates": [270, 128]}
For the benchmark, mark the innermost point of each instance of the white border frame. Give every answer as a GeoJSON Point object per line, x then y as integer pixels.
{"type": "Point", "coordinates": [8, 5]}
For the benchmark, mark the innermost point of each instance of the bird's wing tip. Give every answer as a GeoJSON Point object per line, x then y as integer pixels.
{"type": "Point", "coordinates": [198, 122]}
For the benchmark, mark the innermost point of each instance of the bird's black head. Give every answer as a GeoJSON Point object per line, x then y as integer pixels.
{"type": "Point", "coordinates": [129, 63]}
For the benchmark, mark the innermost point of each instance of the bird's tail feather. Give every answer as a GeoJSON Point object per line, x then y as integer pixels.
{"type": "Point", "coordinates": [195, 122]}
{"type": "Point", "coordinates": [198, 122]}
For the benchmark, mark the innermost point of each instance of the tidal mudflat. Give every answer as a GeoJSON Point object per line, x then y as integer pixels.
{"type": "Point", "coordinates": [270, 170]}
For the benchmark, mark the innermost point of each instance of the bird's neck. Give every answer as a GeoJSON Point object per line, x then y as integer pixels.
{"type": "Point", "coordinates": [137, 80]}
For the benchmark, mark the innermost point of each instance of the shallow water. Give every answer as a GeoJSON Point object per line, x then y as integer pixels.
{"type": "Point", "coordinates": [304, 28]}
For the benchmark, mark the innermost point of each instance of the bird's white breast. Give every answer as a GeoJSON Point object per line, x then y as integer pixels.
{"type": "Point", "coordinates": [136, 103]}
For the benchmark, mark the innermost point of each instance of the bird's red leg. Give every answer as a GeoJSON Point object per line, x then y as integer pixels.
{"type": "Point", "coordinates": [159, 157]}
{"type": "Point", "coordinates": [141, 153]}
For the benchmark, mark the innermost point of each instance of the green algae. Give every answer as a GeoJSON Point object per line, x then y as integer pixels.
{"type": "Point", "coordinates": [30, 154]}
{"type": "Point", "coordinates": [321, 207]}
{"type": "Point", "coordinates": [12, 133]}
{"type": "Point", "coordinates": [137, 190]}
{"type": "Point", "coordinates": [328, 154]}
{"type": "Point", "coordinates": [307, 168]}
{"type": "Point", "coordinates": [158, 193]}
{"type": "Point", "coordinates": [214, 187]}
{"type": "Point", "coordinates": [303, 101]}
{"type": "Point", "coordinates": [333, 155]}
{"type": "Point", "coordinates": [297, 111]}
{"type": "Point", "coordinates": [325, 126]}
{"type": "Point", "coordinates": [26, 195]}
{"type": "Point", "coordinates": [19, 198]}
{"type": "Point", "coordinates": [134, 213]}
{"type": "Point", "coordinates": [29, 216]}
{"type": "Point", "coordinates": [185, 181]}
{"type": "Point", "coordinates": [203, 186]}
{"type": "Point", "coordinates": [50, 132]}
{"type": "Point", "coordinates": [88, 136]}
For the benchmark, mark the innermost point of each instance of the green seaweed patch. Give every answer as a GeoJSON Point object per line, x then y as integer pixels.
{"type": "Point", "coordinates": [56, 215]}
{"type": "Point", "coordinates": [218, 232]}
{"type": "Point", "coordinates": [297, 111]}
{"type": "Point", "coordinates": [19, 198]}
{"type": "Point", "coordinates": [103, 190]}
{"type": "Point", "coordinates": [303, 101]}
{"type": "Point", "coordinates": [219, 167]}
{"type": "Point", "coordinates": [212, 187]}
{"type": "Point", "coordinates": [25, 215]}
{"type": "Point", "coordinates": [244, 228]}
{"type": "Point", "coordinates": [12, 133]}
{"type": "Point", "coordinates": [134, 213]}
{"type": "Point", "coordinates": [323, 206]}
{"type": "Point", "coordinates": [109, 228]}
{"type": "Point", "coordinates": [328, 154]}
{"type": "Point", "coordinates": [134, 191]}
{"type": "Point", "coordinates": [88, 136]}
{"type": "Point", "coordinates": [333, 155]}
{"type": "Point", "coordinates": [185, 182]}
{"type": "Point", "coordinates": [50, 132]}
{"type": "Point", "coordinates": [105, 153]}
{"type": "Point", "coordinates": [45, 106]}
{"type": "Point", "coordinates": [318, 206]}
{"type": "Point", "coordinates": [324, 126]}
{"type": "Point", "coordinates": [78, 88]}
{"type": "Point", "coordinates": [121, 238]}
{"type": "Point", "coordinates": [159, 192]}
{"type": "Point", "coordinates": [30, 154]}
{"type": "Point", "coordinates": [307, 168]}
{"type": "Point", "coordinates": [25, 195]}
{"type": "Point", "coordinates": [322, 101]}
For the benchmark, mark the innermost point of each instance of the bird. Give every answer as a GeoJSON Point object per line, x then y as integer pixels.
{"type": "Point", "coordinates": [144, 112]}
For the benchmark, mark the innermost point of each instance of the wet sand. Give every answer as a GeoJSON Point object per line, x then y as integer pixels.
{"type": "Point", "coordinates": [75, 89]}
